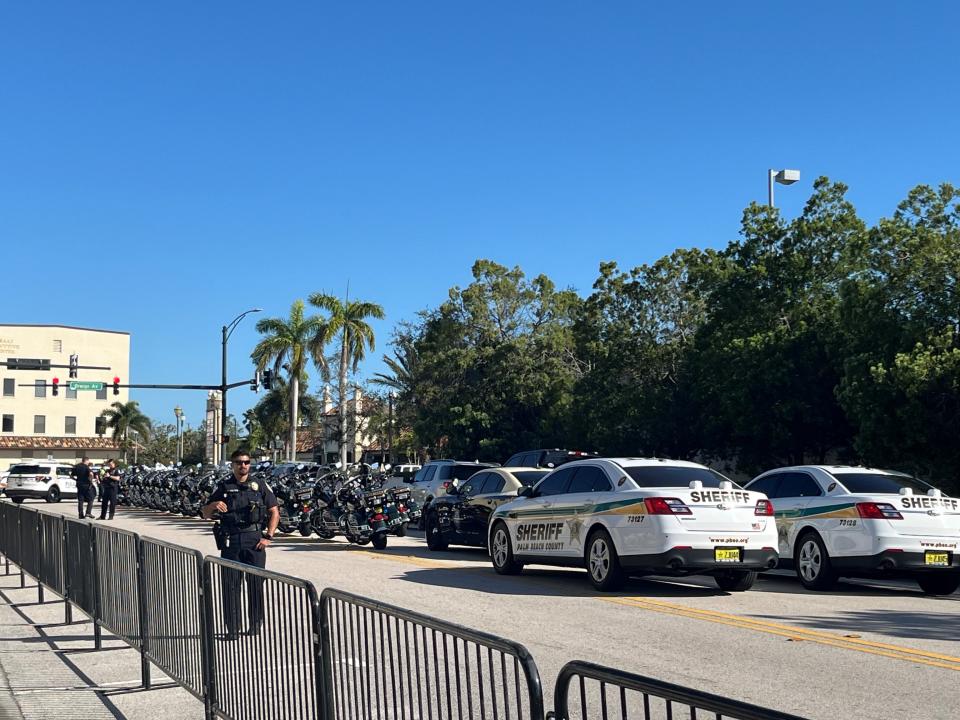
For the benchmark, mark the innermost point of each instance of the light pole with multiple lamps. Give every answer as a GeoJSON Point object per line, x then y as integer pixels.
{"type": "Point", "coordinates": [226, 331]}
{"type": "Point", "coordinates": [784, 177]}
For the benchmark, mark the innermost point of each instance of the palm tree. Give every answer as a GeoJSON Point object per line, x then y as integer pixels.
{"type": "Point", "coordinates": [290, 344]}
{"type": "Point", "coordinates": [349, 319]}
{"type": "Point", "coordinates": [124, 417]}
{"type": "Point", "coordinates": [402, 366]}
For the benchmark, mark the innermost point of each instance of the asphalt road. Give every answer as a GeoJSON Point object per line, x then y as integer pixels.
{"type": "Point", "coordinates": [863, 650]}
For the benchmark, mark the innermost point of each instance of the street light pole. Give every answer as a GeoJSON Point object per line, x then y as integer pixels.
{"type": "Point", "coordinates": [390, 396]}
{"type": "Point", "coordinates": [178, 413]}
{"type": "Point", "coordinates": [784, 177]}
{"type": "Point", "coordinates": [226, 331]}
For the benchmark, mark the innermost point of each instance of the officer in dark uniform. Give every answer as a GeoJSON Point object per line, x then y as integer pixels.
{"type": "Point", "coordinates": [247, 518]}
{"type": "Point", "coordinates": [109, 487]}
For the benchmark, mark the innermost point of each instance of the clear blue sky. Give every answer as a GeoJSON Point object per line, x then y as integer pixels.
{"type": "Point", "coordinates": [165, 166]}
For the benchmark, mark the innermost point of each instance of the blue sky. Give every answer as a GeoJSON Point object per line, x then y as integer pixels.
{"type": "Point", "coordinates": [165, 166]}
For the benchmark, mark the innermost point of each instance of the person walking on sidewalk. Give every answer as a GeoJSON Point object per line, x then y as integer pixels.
{"type": "Point", "coordinates": [244, 507]}
{"type": "Point", "coordinates": [86, 492]}
{"type": "Point", "coordinates": [109, 488]}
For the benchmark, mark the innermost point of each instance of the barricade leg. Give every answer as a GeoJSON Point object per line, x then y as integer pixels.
{"type": "Point", "coordinates": [39, 592]}
{"type": "Point", "coordinates": [67, 612]}
{"type": "Point", "coordinates": [144, 625]}
{"type": "Point", "coordinates": [208, 666]}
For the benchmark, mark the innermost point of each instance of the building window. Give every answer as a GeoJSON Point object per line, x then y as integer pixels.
{"type": "Point", "coordinates": [100, 423]}
{"type": "Point", "coordinates": [71, 394]}
{"type": "Point", "coordinates": [39, 424]}
{"type": "Point", "coordinates": [26, 453]}
{"type": "Point", "coordinates": [9, 387]}
{"type": "Point", "coordinates": [102, 394]}
{"type": "Point", "coordinates": [58, 346]}
{"type": "Point", "coordinates": [40, 388]}
{"type": "Point", "coordinates": [8, 423]}
{"type": "Point", "coordinates": [70, 425]}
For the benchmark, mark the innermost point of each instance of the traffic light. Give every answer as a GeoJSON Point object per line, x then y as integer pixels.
{"type": "Point", "coordinates": [56, 386]}
{"type": "Point", "coordinates": [116, 386]}
{"type": "Point", "coordinates": [267, 379]}
{"type": "Point", "coordinates": [74, 364]}
{"type": "Point", "coordinates": [255, 383]}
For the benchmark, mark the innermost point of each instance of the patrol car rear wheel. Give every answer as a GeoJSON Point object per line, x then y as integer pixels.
{"type": "Point", "coordinates": [435, 539]}
{"type": "Point", "coordinates": [501, 552]}
{"type": "Point", "coordinates": [735, 580]}
{"type": "Point", "coordinates": [813, 563]}
{"type": "Point", "coordinates": [939, 583]}
{"type": "Point", "coordinates": [602, 562]}
{"type": "Point", "coordinates": [53, 495]}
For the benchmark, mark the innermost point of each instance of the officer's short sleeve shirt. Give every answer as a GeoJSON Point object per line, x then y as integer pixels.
{"type": "Point", "coordinates": [269, 499]}
{"type": "Point", "coordinates": [220, 493]}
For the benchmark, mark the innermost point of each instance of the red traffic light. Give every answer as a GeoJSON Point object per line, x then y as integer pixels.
{"type": "Point", "coordinates": [56, 381]}
{"type": "Point", "coordinates": [116, 381]}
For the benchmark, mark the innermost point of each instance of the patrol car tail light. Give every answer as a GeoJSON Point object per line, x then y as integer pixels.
{"type": "Point", "coordinates": [878, 511]}
{"type": "Point", "coordinates": [764, 507]}
{"type": "Point", "coordinates": [666, 506]}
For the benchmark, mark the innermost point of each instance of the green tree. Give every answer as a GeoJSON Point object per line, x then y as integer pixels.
{"type": "Point", "coordinates": [160, 446]}
{"type": "Point", "coordinates": [348, 319]}
{"type": "Point", "coordinates": [496, 365]}
{"type": "Point", "coordinates": [290, 344]}
{"type": "Point", "coordinates": [900, 334]}
{"type": "Point", "coordinates": [124, 417]}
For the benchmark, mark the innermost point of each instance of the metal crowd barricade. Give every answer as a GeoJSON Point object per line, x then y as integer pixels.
{"type": "Point", "coordinates": [53, 558]}
{"type": "Point", "coordinates": [10, 533]}
{"type": "Point", "coordinates": [30, 546]}
{"type": "Point", "coordinates": [173, 612]}
{"type": "Point", "coordinates": [81, 570]}
{"type": "Point", "coordinates": [268, 674]}
{"type": "Point", "coordinates": [385, 662]}
{"type": "Point", "coordinates": [606, 693]}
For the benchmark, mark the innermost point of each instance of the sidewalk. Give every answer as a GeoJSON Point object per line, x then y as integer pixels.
{"type": "Point", "coordinates": [49, 669]}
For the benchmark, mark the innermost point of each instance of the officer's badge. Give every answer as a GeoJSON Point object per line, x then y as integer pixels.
{"type": "Point", "coordinates": [254, 486]}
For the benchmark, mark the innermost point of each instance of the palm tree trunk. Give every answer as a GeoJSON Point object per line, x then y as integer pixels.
{"type": "Point", "coordinates": [343, 400]}
{"type": "Point", "coordinates": [294, 401]}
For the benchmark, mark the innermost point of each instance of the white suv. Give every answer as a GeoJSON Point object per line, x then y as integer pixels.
{"type": "Point", "coordinates": [45, 480]}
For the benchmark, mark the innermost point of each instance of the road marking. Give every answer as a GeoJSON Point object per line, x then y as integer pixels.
{"type": "Point", "coordinates": [895, 652]}
{"type": "Point", "coordinates": [412, 559]}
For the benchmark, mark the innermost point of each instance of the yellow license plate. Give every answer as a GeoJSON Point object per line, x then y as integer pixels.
{"type": "Point", "coordinates": [937, 558]}
{"type": "Point", "coordinates": [726, 554]}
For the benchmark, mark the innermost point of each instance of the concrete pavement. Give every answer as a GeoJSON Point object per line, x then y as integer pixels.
{"type": "Point", "coordinates": [49, 669]}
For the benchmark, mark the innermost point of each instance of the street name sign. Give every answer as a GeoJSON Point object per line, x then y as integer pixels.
{"type": "Point", "coordinates": [82, 385]}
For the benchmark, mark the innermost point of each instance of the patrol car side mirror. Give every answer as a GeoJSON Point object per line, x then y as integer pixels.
{"type": "Point", "coordinates": [526, 491]}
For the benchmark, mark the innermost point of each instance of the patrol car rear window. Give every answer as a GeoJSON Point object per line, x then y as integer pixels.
{"type": "Point", "coordinates": [654, 476]}
{"type": "Point", "coordinates": [29, 470]}
{"type": "Point", "coordinates": [530, 477]}
{"type": "Point", "coordinates": [880, 483]}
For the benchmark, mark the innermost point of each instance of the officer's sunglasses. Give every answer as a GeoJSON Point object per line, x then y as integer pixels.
{"type": "Point", "coordinates": [241, 462]}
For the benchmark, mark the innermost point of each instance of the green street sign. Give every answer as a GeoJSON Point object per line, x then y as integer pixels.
{"type": "Point", "coordinates": [82, 385]}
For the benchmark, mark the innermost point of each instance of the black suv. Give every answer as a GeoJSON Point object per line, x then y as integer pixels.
{"type": "Point", "coordinates": [549, 458]}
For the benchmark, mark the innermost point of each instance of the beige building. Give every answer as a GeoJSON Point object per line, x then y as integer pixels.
{"type": "Point", "coordinates": [35, 424]}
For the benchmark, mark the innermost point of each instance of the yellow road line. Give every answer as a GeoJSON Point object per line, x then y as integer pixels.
{"type": "Point", "coordinates": [895, 652]}
{"type": "Point", "coordinates": [412, 559]}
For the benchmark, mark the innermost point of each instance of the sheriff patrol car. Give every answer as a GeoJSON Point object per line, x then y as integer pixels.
{"type": "Point", "coordinates": [636, 516]}
{"type": "Point", "coordinates": [838, 521]}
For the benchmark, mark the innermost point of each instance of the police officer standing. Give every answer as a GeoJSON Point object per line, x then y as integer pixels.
{"type": "Point", "coordinates": [244, 508]}
{"type": "Point", "coordinates": [109, 488]}
{"type": "Point", "coordinates": [85, 489]}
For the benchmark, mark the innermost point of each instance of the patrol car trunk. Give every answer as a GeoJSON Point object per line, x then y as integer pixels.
{"type": "Point", "coordinates": [722, 510]}
{"type": "Point", "coordinates": [925, 515]}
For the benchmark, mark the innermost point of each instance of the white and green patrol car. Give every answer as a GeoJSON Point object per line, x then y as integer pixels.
{"type": "Point", "coordinates": [637, 516]}
{"type": "Point", "coordinates": [838, 521]}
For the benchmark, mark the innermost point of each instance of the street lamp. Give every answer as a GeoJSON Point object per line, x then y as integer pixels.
{"type": "Point", "coordinates": [178, 413]}
{"type": "Point", "coordinates": [390, 398]}
{"type": "Point", "coordinates": [226, 332]}
{"type": "Point", "coordinates": [784, 177]}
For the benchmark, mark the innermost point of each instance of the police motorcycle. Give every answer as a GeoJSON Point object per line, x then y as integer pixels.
{"type": "Point", "coordinates": [363, 520]}
{"type": "Point", "coordinates": [397, 503]}
{"type": "Point", "coordinates": [325, 508]}
{"type": "Point", "coordinates": [294, 491]}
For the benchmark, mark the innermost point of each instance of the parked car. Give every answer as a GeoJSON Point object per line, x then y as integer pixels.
{"type": "Point", "coordinates": [401, 476]}
{"type": "Point", "coordinates": [436, 476]}
{"type": "Point", "coordinates": [49, 481]}
{"type": "Point", "coordinates": [461, 516]}
{"type": "Point", "coordinates": [549, 458]}
{"type": "Point", "coordinates": [836, 521]}
{"type": "Point", "coordinates": [637, 516]}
